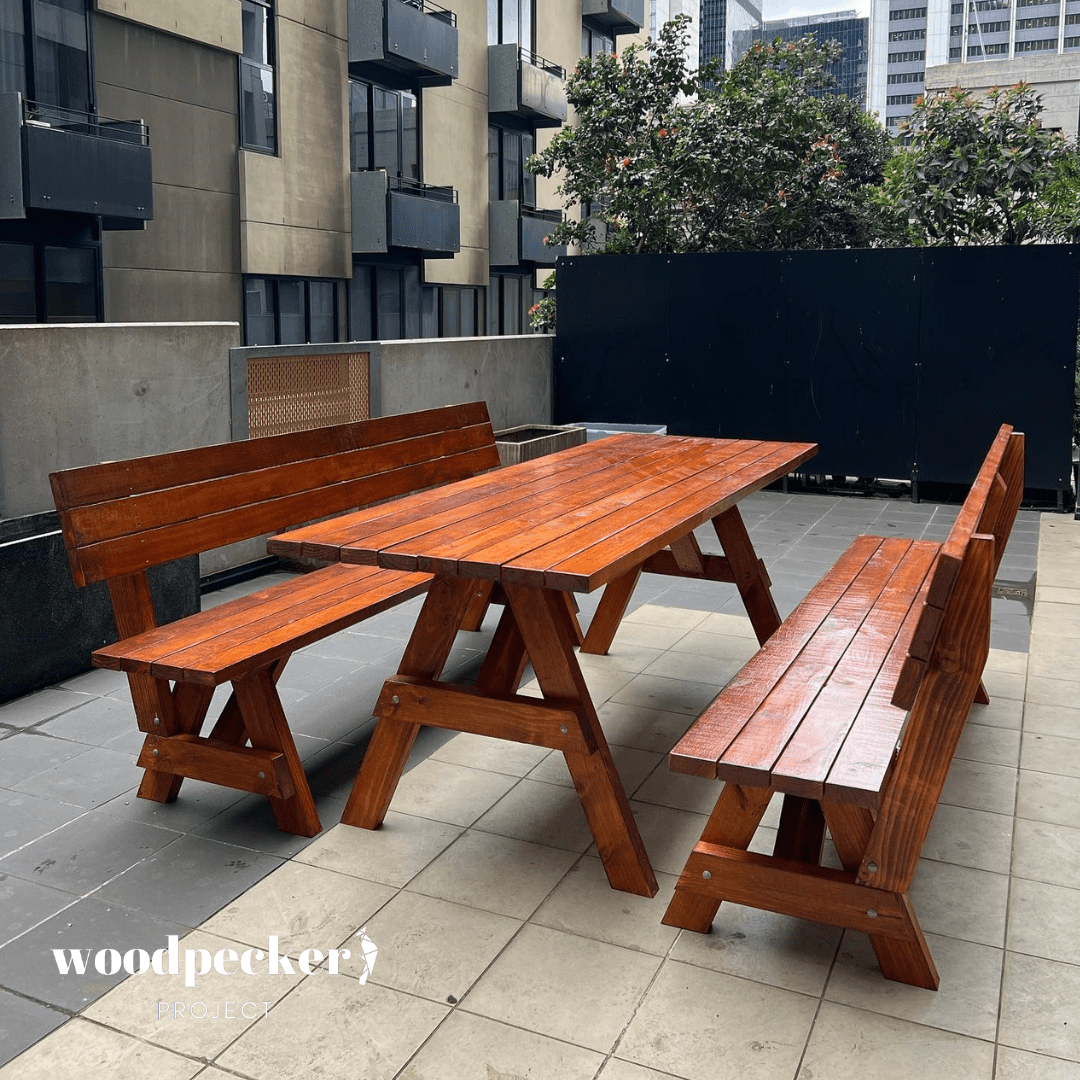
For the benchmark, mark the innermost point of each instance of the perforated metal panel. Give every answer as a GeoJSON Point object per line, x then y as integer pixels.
{"type": "Point", "coordinates": [297, 393]}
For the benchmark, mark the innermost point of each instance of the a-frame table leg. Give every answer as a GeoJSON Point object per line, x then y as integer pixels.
{"type": "Point", "coordinates": [750, 577]}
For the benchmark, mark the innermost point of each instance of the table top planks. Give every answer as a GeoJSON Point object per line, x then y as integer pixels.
{"type": "Point", "coordinates": [572, 521]}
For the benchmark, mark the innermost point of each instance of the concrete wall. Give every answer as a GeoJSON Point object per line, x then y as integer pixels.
{"type": "Point", "coordinates": [211, 22]}
{"type": "Point", "coordinates": [295, 215]}
{"type": "Point", "coordinates": [1055, 77]}
{"type": "Point", "coordinates": [80, 393]}
{"type": "Point", "coordinates": [185, 264]}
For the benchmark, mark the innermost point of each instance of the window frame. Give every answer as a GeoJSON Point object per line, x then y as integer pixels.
{"type": "Point", "coordinates": [248, 64]}
{"type": "Point", "coordinates": [274, 282]}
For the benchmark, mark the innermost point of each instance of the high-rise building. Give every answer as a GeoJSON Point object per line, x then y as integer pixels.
{"type": "Point", "coordinates": [662, 11]}
{"type": "Point", "coordinates": [316, 171]}
{"type": "Point", "coordinates": [914, 35]}
{"type": "Point", "coordinates": [727, 29]}
{"type": "Point", "coordinates": [849, 72]}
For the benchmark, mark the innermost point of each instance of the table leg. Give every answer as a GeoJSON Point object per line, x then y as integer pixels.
{"type": "Point", "coordinates": [391, 742]}
{"type": "Point", "coordinates": [609, 614]}
{"type": "Point", "coordinates": [504, 664]}
{"type": "Point", "coordinates": [478, 605]}
{"type": "Point", "coordinates": [541, 617]}
{"type": "Point", "coordinates": [750, 577]}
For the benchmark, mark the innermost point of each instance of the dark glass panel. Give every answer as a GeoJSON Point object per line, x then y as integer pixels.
{"type": "Point", "coordinates": [291, 325]}
{"type": "Point", "coordinates": [388, 303]}
{"type": "Point", "coordinates": [361, 326]}
{"type": "Point", "coordinates": [18, 297]}
{"type": "Point", "coordinates": [12, 49]}
{"type": "Point", "coordinates": [71, 289]}
{"type": "Point", "coordinates": [411, 292]}
{"type": "Point", "coordinates": [359, 128]}
{"type": "Point", "coordinates": [494, 188]}
{"type": "Point", "coordinates": [61, 60]}
{"type": "Point", "coordinates": [259, 312]}
{"type": "Point", "coordinates": [385, 123]}
{"type": "Point", "coordinates": [321, 311]}
{"type": "Point", "coordinates": [410, 145]}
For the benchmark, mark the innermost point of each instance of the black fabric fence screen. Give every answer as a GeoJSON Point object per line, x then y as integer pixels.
{"type": "Point", "coordinates": [900, 363]}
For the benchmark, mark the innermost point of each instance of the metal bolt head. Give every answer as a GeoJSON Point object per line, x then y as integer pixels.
{"type": "Point", "coordinates": [155, 752]}
{"type": "Point", "coordinates": [707, 875]}
{"type": "Point", "coordinates": [871, 867]}
{"type": "Point", "coordinates": [563, 728]}
{"type": "Point", "coordinates": [157, 721]}
{"type": "Point", "coordinates": [262, 776]}
{"type": "Point", "coordinates": [396, 700]}
{"type": "Point", "coordinates": [871, 913]}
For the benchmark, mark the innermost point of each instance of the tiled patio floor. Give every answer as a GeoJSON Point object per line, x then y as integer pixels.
{"type": "Point", "coordinates": [503, 954]}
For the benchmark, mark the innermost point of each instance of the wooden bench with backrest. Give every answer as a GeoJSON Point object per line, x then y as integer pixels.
{"type": "Point", "coordinates": [119, 518]}
{"type": "Point", "coordinates": [852, 711]}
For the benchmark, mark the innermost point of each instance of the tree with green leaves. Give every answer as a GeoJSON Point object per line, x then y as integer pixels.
{"type": "Point", "coordinates": [983, 171]}
{"type": "Point", "coordinates": [753, 160]}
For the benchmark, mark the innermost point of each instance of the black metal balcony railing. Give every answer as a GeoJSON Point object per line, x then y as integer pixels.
{"type": "Point", "coordinates": [419, 190]}
{"type": "Point", "coordinates": [519, 234]}
{"type": "Point", "coordinates": [41, 115]}
{"type": "Point", "coordinates": [435, 10]}
{"type": "Point", "coordinates": [63, 160]}
{"type": "Point", "coordinates": [543, 215]}
{"type": "Point", "coordinates": [527, 56]}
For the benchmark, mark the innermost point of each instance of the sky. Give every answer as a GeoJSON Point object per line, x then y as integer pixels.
{"type": "Point", "coordinates": [786, 9]}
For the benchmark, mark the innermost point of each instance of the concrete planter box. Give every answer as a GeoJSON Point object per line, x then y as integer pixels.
{"type": "Point", "coordinates": [529, 441]}
{"type": "Point", "coordinates": [50, 627]}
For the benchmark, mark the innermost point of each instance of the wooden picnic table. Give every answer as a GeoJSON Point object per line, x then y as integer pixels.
{"type": "Point", "coordinates": [595, 515]}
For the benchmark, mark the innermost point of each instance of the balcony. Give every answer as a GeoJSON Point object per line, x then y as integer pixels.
{"type": "Point", "coordinates": [516, 234]}
{"type": "Point", "coordinates": [405, 44]}
{"type": "Point", "coordinates": [59, 159]}
{"type": "Point", "coordinates": [391, 212]}
{"type": "Point", "coordinates": [614, 16]}
{"type": "Point", "coordinates": [525, 87]}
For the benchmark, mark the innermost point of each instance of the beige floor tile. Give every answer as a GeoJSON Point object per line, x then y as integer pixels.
{"type": "Point", "coordinates": [1055, 617]}
{"type": "Point", "coordinates": [495, 755]}
{"type": "Point", "coordinates": [1052, 657]}
{"type": "Point", "coordinates": [1002, 712]}
{"type": "Point", "coordinates": [669, 835]}
{"type": "Point", "coordinates": [452, 793]}
{"type": "Point", "coordinates": [495, 873]}
{"type": "Point", "coordinates": [965, 1003]}
{"type": "Point", "coordinates": [737, 625]}
{"type": "Point", "coordinates": [391, 854]}
{"type": "Point", "coordinates": [604, 683]}
{"type": "Point", "coordinates": [1006, 660]}
{"type": "Point", "coordinates": [1056, 594]}
{"type": "Point", "coordinates": [584, 903]}
{"type": "Point", "coordinates": [1052, 720]}
{"type": "Point", "coordinates": [705, 1025]}
{"type": "Point", "coordinates": [694, 667]}
{"type": "Point", "coordinates": [633, 766]}
{"type": "Point", "coordinates": [993, 745]}
{"type": "Point", "coordinates": [727, 648]}
{"type": "Point", "coordinates": [82, 1050]}
{"type": "Point", "coordinates": [135, 1004]}
{"type": "Point", "coordinates": [647, 635]}
{"type": "Point", "coordinates": [332, 1028]}
{"type": "Point", "coordinates": [667, 788]}
{"type": "Point", "coordinates": [621, 656]}
{"type": "Point", "coordinates": [959, 902]}
{"type": "Point", "coordinates": [468, 1047]}
{"type": "Point", "coordinates": [776, 949]}
{"type": "Point", "coordinates": [568, 987]}
{"type": "Point", "coordinates": [854, 1044]}
{"type": "Point", "coordinates": [304, 906]}
{"type": "Point", "coordinates": [431, 947]}
{"type": "Point", "coordinates": [645, 729]}
{"type": "Point", "coordinates": [540, 813]}
{"type": "Point", "coordinates": [1044, 920]}
{"type": "Point", "coordinates": [980, 786]}
{"type": "Point", "coordinates": [1021, 1065]}
{"type": "Point", "coordinates": [1050, 754]}
{"type": "Point", "coordinates": [1040, 1006]}
{"type": "Point", "coordinates": [680, 618]}
{"type": "Point", "coordinates": [970, 838]}
{"type": "Point", "coordinates": [1059, 692]}
{"type": "Point", "coordinates": [667, 695]}
{"type": "Point", "coordinates": [1004, 684]}
{"type": "Point", "coordinates": [1044, 797]}
{"type": "Point", "coordinates": [627, 1070]}
{"type": "Point", "coordinates": [1045, 852]}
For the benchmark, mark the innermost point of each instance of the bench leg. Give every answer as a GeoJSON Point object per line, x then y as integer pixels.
{"type": "Point", "coordinates": [732, 823]}
{"type": "Point", "coordinates": [751, 578]}
{"type": "Point", "coordinates": [479, 603]}
{"type": "Point", "coordinates": [505, 662]}
{"type": "Point", "coordinates": [981, 696]}
{"type": "Point", "coordinates": [545, 628]}
{"type": "Point", "coordinates": [907, 961]}
{"type": "Point", "coordinates": [384, 761]}
{"type": "Point", "coordinates": [609, 613]}
{"type": "Point", "coordinates": [265, 723]}
{"type": "Point", "coordinates": [182, 712]}
{"type": "Point", "coordinates": [801, 835]}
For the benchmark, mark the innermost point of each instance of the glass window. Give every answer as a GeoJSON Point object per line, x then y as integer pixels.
{"type": "Point", "coordinates": [494, 142]}
{"type": "Point", "coordinates": [528, 179]}
{"type": "Point", "coordinates": [429, 311]}
{"type": "Point", "coordinates": [511, 305]}
{"type": "Point", "coordinates": [494, 306]}
{"type": "Point", "coordinates": [258, 123]}
{"type": "Point", "coordinates": [71, 292]}
{"type": "Point", "coordinates": [511, 21]}
{"type": "Point", "coordinates": [290, 303]}
{"type": "Point", "coordinates": [321, 311]}
{"type": "Point", "coordinates": [61, 54]}
{"type": "Point", "coordinates": [411, 301]}
{"type": "Point", "coordinates": [361, 326]}
{"type": "Point", "coordinates": [388, 324]}
{"type": "Point", "coordinates": [451, 312]}
{"type": "Point", "coordinates": [359, 128]}
{"type": "Point", "coordinates": [410, 136]}
{"type": "Point", "coordinates": [511, 165]}
{"type": "Point", "coordinates": [12, 49]}
{"type": "Point", "coordinates": [384, 130]}
{"type": "Point", "coordinates": [18, 295]}
{"type": "Point", "coordinates": [259, 312]}
{"type": "Point", "coordinates": [385, 124]}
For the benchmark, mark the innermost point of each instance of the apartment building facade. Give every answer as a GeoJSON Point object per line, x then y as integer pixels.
{"type": "Point", "coordinates": [318, 170]}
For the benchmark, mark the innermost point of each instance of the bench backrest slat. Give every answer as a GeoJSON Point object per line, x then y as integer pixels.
{"type": "Point", "coordinates": [119, 518]}
{"type": "Point", "coordinates": [989, 509]}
